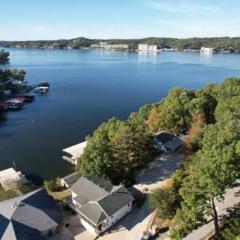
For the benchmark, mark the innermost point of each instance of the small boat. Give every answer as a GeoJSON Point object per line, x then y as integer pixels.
{"type": "Point", "coordinates": [41, 90]}
{"type": "Point", "coordinates": [44, 84]}
{"type": "Point", "coordinates": [14, 104]}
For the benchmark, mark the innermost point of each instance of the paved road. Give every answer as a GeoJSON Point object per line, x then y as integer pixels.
{"type": "Point", "coordinates": [232, 197]}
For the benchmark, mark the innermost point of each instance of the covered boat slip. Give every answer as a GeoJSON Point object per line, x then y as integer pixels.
{"type": "Point", "coordinates": [74, 152]}
{"type": "Point", "coordinates": [9, 176]}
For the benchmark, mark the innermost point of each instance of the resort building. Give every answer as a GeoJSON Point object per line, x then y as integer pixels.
{"type": "Point", "coordinates": [146, 47]}
{"type": "Point", "coordinates": [207, 51]}
{"type": "Point", "coordinates": [74, 152]}
{"type": "Point", "coordinates": [99, 204]}
{"type": "Point", "coordinates": [142, 47]}
{"type": "Point", "coordinates": [152, 48]}
{"type": "Point", "coordinates": [105, 46]}
{"type": "Point", "coordinates": [31, 216]}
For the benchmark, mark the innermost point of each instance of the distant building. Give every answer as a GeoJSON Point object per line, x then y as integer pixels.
{"type": "Point", "coordinates": [152, 48]}
{"type": "Point", "coordinates": [142, 47]}
{"type": "Point", "coordinates": [207, 51]}
{"type": "Point", "coordinates": [105, 46]}
{"type": "Point", "coordinates": [74, 152]}
{"type": "Point", "coordinates": [166, 142]}
{"type": "Point", "coordinates": [31, 216]}
{"type": "Point", "coordinates": [98, 203]}
{"type": "Point", "coordinates": [146, 47]}
{"type": "Point", "coordinates": [116, 47]}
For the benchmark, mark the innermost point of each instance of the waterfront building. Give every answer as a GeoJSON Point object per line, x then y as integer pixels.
{"type": "Point", "coordinates": [207, 51]}
{"type": "Point", "coordinates": [142, 47]}
{"type": "Point", "coordinates": [9, 176]}
{"type": "Point", "coordinates": [146, 47]}
{"type": "Point", "coordinates": [99, 204]}
{"type": "Point", "coordinates": [152, 48]}
{"type": "Point", "coordinates": [74, 152]}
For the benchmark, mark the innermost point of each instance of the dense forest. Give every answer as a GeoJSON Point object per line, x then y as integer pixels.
{"type": "Point", "coordinates": [219, 43]}
{"type": "Point", "coordinates": [210, 121]}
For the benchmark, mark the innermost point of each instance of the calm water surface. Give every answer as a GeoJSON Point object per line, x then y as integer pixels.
{"type": "Point", "coordinates": [87, 88]}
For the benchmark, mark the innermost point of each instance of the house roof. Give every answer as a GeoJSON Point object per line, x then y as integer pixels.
{"type": "Point", "coordinates": [174, 144]}
{"type": "Point", "coordinates": [72, 178]}
{"type": "Point", "coordinates": [164, 137]}
{"type": "Point", "coordinates": [99, 199]}
{"type": "Point", "coordinates": [93, 212]}
{"type": "Point", "coordinates": [76, 150]}
{"type": "Point", "coordinates": [27, 216]}
{"type": "Point", "coordinates": [88, 189]}
{"type": "Point", "coordinates": [115, 201]}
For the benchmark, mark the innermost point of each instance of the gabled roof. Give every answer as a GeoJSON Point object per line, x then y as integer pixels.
{"type": "Point", "coordinates": [99, 199]}
{"type": "Point", "coordinates": [88, 189]}
{"type": "Point", "coordinates": [25, 217]}
{"type": "Point", "coordinates": [93, 212]}
{"type": "Point", "coordinates": [115, 201]}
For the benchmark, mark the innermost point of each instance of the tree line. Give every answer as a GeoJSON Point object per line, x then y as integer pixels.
{"type": "Point", "coordinates": [219, 43]}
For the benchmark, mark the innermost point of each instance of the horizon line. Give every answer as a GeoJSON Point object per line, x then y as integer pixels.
{"type": "Point", "coordinates": [107, 39]}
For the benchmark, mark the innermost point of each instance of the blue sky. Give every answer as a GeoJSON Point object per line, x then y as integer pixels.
{"type": "Point", "coordinates": [54, 19]}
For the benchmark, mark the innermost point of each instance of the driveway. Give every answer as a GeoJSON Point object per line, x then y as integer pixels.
{"type": "Point", "coordinates": [75, 231]}
{"type": "Point", "coordinates": [158, 171]}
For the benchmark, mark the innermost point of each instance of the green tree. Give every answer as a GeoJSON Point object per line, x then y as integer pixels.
{"type": "Point", "coordinates": [164, 201]}
{"type": "Point", "coordinates": [216, 168]}
{"type": "Point", "coordinates": [4, 57]}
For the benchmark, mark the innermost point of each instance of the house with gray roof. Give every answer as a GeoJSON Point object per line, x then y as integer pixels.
{"type": "Point", "coordinates": [166, 142]}
{"type": "Point", "coordinates": [98, 203]}
{"type": "Point", "coordinates": [32, 216]}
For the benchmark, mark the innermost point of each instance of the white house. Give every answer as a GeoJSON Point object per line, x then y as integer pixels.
{"type": "Point", "coordinates": [74, 152]}
{"type": "Point", "coordinates": [99, 204]}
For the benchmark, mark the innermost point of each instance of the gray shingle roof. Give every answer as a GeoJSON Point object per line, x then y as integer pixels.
{"type": "Point", "coordinates": [72, 178]}
{"type": "Point", "coordinates": [88, 189]}
{"type": "Point", "coordinates": [93, 212]}
{"type": "Point", "coordinates": [28, 216]}
{"type": "Point", "coordinates": [99, 199]}
{"type": "Point", "coordinates": [115, 201]}
{"type": "Point", "coordinates": [164, 137]}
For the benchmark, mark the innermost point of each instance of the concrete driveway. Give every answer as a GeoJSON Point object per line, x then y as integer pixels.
{"type": "Point", "coordinates": [158, 171]}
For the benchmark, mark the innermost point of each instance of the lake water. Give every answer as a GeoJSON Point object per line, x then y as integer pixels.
{"type": "Point", "coordinates": [87, 88]}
